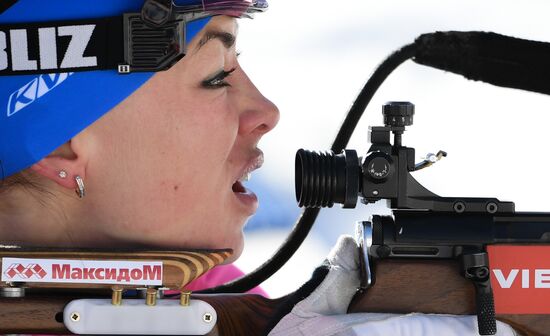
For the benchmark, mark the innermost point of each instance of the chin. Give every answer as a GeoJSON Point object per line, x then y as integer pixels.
{"type": "Point", "coordinates": [237, 248]}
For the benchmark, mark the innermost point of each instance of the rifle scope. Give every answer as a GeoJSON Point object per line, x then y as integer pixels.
{"type": "Point", "coordinates": [325, 178]}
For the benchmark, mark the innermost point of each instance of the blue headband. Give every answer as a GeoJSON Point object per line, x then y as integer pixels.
{"type": "Point", "coordinates": [38, 113]}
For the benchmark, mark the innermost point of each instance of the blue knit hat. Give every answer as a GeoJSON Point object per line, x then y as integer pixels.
{"type": "Point", "coordinates": [40, 112]}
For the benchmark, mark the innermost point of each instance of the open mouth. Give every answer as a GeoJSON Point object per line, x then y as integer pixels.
{"type": "Point", "coordinates": [245, 174]}
{"type": "Point", "coordinates": [245, 196]}
{"type": "Point", "coordinates": [238, 187]}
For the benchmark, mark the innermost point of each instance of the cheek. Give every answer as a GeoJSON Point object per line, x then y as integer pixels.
{"type": "Point", "coordinates": [202, 201]}
{"type": "Point", "coordinates": [215, 122]}
{"type": "Point", "coordinates": [189, 137]}
{"type": "Point", "coordinates": [165, 181]}
{"type": "Point", "coordinates": [205, 141]}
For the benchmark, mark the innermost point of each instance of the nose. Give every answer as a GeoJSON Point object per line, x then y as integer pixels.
{"type": "Point", "coordinates": [258, 114]}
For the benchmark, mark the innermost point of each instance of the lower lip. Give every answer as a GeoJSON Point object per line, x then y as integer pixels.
{"type": "Point", "coordinates": [248, 199]}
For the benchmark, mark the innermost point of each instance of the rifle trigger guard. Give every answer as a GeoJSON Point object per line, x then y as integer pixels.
{"type": "Point", "coordinates": [475, 267]}
{"type": "Point", "coordinates": [363, 238]}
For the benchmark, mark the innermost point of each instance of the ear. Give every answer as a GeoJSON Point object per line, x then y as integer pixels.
{"type": "Point", "coordinates": [68, 158]}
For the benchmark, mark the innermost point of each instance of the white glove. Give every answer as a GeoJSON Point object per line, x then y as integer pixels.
{"type": "Point", "coordinates": [323, 312]}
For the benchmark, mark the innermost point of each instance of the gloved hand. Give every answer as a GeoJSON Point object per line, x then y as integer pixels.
{"type": "Point", "coordinates": [323, 312]}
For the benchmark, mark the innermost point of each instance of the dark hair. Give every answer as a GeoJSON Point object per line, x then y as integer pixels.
{"type": "Point", "coordinates": [24, 179]}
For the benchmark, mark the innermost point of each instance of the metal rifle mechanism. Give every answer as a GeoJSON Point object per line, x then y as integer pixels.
{"type": "Point", "coordinates": [424, 225]}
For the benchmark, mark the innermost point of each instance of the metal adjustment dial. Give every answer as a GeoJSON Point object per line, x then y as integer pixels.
{"type": "Point", "coordinates": [398, 114]}
{"type": "Point", "coordinates": [378, 166]}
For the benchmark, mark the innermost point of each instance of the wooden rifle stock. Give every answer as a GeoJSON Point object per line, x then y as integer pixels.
{"type": "Point", "coordinates": [432, 286]}
{"type": "Point", "coordinates": [238, 314]}
{"type": "Point", "coordinates": [401, 286]}
{"type": "Point", "coordinates": [242, 314]}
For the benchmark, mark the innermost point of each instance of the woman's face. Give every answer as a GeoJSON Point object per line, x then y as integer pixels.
{"type": "Point", "coordinates": [162, 165]}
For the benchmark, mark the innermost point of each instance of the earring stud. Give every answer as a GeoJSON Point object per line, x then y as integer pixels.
{"type": "Point", "coordinates": [62, 174]}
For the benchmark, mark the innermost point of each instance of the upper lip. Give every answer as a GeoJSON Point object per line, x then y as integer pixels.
{"type": "Point", "coordinates": [255, 162]}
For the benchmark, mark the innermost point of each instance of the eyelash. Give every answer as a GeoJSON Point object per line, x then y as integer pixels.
{"type": "Point", "coordinates": [218, 81]}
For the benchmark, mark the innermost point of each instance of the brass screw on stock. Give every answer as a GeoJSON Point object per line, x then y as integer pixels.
{"type": "Point", "coordinates": [116, 298]}
{"type": "Point", "coordinates": [151, 297]}
{"type": "Point", "coordinates": [184, 298]}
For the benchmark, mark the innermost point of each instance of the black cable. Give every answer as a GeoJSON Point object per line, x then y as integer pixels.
{"type": "Point", "coordinates": [368, 91]}
{"type": "Point", "coordinates": [489, 57]}
{"type": "Point", "coordinates": [308, 216]}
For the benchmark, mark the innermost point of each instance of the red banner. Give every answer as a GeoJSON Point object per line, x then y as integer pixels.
{"type": "Point", "coordinates": [520, 277]}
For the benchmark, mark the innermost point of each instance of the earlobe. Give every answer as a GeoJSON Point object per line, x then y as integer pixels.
{"type": "Point", "coordinates": [62, 167]}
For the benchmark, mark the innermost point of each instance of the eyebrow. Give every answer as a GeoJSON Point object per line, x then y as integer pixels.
{"type": "Point", "coordinates": [226, 38]}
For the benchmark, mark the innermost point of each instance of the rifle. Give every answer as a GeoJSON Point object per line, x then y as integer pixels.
{"type": "Point", "coordinates": [324, 179]}
{"type": "Point", "coordinates": [440, 245]}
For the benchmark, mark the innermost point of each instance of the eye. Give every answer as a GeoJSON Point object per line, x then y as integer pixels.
{"type": "Point", "coordinates": [218, 80]}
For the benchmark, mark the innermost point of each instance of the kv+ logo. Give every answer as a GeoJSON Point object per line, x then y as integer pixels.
{"type": "Point", "coordinates": [34, 90]}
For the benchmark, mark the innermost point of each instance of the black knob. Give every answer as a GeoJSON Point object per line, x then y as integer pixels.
{"type": "Point", "coordinates": [378, 167]}
{"type": "Point", "coordinates": [398, 114]}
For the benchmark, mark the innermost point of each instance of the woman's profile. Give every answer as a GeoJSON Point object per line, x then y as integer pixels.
{"type": "Point", "coordinates": [156, 158]}
{"type": "Point", "coordinates": [95, 152]}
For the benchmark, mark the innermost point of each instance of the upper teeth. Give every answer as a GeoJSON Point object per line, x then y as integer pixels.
{"type": "Point", "coordinates": [245, 177]}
